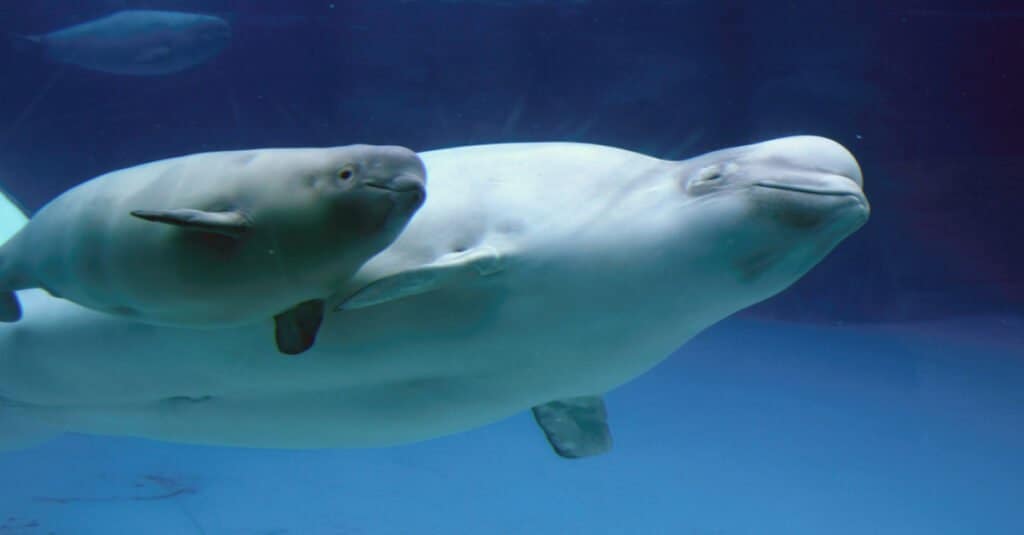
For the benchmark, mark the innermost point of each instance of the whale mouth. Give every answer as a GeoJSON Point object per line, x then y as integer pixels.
{"type": "Point", "coordinates": [408, 189]}
{"type": "Point", "coordinates": [410, 196]}
{"type": "Point", "coordinates": [851, 197]}
{"type": "Point", "coordinates": [810, 190]}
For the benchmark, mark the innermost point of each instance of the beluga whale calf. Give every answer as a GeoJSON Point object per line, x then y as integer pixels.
{"type": "Point", "coordinates": [536, 276]}
{"type": "Point", "coordinates": [218, 239]}
{"type": "Point", "coordinates": [134, 42]}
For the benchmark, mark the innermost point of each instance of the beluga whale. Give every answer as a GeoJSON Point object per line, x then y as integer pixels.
{"type": "Point", "coordinates": [536, 277]}
{"type": "Point", "coordinates": [134, 42]}
{"type": "Point", "coordinates": [220, 238]}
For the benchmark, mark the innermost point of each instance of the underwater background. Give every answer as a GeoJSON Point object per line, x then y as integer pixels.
{"type": "Point", "coordinates": [882, 393]}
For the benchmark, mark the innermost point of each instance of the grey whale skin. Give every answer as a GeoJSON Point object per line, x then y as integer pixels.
{"type": "Point", "coordinates": [536, 276]}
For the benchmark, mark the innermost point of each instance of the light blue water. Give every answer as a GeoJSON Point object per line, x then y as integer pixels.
{"type": "Point", "coordinates": [753, 428]}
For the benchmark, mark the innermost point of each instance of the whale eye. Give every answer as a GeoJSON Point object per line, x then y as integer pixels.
{"type": "Point", "coordinates": [345, 174]}
{"type": "Point", "coordinates": [709, 174]}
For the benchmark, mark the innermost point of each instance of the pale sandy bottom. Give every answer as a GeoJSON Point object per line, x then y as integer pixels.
{"type": "Point", "coordinates": [753, 428]}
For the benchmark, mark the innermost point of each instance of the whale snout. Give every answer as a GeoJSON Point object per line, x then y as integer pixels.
{"type": "Point", "coordinates": [401, 173]}
{"type": "Point", "coordinates": [805, 181]}
{"type": "Point", "coordinates": [213, 30]}
{"type": "Point", "coordinates": [814, 154]}
{"type": "Point", "coordinates": [406, 191]}
{"type": "Point", "coordinates": [401, 183]}
{"type": "Point", "coordinates": [395, 164]}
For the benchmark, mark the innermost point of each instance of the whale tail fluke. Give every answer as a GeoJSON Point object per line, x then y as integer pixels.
{"type": "Point", "coordinates": [12, 218]}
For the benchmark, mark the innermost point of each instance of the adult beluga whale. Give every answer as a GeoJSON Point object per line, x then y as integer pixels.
{"type": "Point", "coordinates": [134, 42]}
{"type": "Point", "coordinates": [536, 276]}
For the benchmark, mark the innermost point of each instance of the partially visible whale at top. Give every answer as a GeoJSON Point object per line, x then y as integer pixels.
{"type": "Point", "coordinates": [135, 42]}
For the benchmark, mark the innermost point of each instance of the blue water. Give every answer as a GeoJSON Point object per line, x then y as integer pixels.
{"type": "Point", "coordinates": [882, 394]}
{"type": "Point", "coordinates": [755, 428]}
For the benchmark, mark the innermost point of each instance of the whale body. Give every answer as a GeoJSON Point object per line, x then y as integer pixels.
{"type": "Point", "coordinates": [536, 276]}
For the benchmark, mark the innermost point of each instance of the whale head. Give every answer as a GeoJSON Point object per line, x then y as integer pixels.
{"type": "Point", "coordinates": [756, 218]}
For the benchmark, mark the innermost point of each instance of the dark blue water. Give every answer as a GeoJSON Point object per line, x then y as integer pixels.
{"type": "Point", "coordinates": [904, 419]}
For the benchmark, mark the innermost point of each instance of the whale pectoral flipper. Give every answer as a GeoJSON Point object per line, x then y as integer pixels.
{"type": "Point", "coordinates": [295, 329]}
{"type": "Point", "coordinates": [448, 269]}
{"type": "Point", "coordinates": [575, 427]}
{"type": "Point", "coordinates": [10, 308]}
{"type": "Point", "coordinates": [231, 224]}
